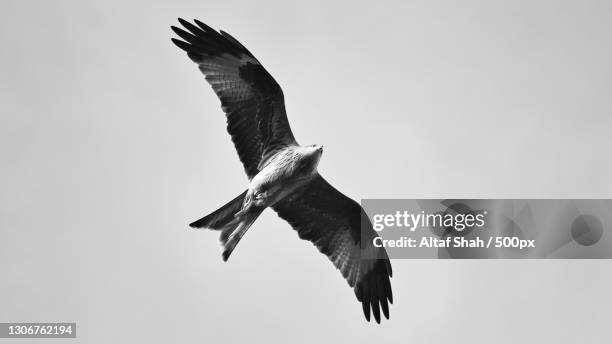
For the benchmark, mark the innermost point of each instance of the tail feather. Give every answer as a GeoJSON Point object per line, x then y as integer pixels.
{"type": "Point", "coordinates": [221, 217]}
{"type": "Point", "coordinates": [232, 220]}
{"type": "Point", "coordinates": [230, 237]}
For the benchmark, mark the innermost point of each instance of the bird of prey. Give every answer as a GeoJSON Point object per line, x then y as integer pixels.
{"type": "Point", "coordinates": [282, 174]}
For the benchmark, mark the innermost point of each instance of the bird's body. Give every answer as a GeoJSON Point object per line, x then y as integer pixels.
{"type": "Point", "coordinates": [282, 174]}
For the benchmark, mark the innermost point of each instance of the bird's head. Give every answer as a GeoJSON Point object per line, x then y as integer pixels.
{"type": "Point", "coordinates": [309, 156]}
{"type": "Point", "coordinates": [315, 150]}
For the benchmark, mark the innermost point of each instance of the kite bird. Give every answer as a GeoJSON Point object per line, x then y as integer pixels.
{"type": "Point", "coordinates": [282, 174]}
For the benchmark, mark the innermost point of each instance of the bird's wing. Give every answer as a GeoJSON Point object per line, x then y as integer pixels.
{"type": "Point", "coordinates": [333, 222]}
{"type": "Point", "coordinates": [251, 99]}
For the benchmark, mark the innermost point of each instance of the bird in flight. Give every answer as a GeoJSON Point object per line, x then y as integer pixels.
{"type": "Point", "coordinates": [282, 174]}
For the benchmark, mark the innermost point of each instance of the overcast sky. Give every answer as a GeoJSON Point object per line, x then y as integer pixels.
{"type": "Point", "coordinates": [112, 142]}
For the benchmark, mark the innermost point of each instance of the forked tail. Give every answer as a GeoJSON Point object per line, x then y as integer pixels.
{"type": "Point", "coordinates": [232, 226]}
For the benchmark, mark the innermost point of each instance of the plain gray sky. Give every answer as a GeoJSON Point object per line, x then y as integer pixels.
{"type": "Point", "coordinates": [112, 142]}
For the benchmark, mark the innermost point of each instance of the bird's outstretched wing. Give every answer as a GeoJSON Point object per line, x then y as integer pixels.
{"type": "Point", "coordinates": [332, 221]}
{"type": "Point", "coordinates": [251, 99]}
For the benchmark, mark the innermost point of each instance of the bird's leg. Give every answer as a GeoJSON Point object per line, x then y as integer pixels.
{"type": "Point", "coordinates": [260, 198]}
{"type": "Point", "coordinates": [253, 199]}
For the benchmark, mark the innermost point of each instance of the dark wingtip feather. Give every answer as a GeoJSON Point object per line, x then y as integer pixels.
{"type": "Point", "coordinates": [176, 30]}
{"type": "Point", "coordinates": [204, 26]}
{"type": "Point", "coordinates": [366, 309]}
{"type": "Point", "coordinates": [374, 292]}
{"type": "Point", "coordinates": [182, 21]}
{"type": "Point", "coordinates": [188, 37]}
{"type": "Point", "coordinates": [376, 309]}
{"type": "Point", "coordinates": [385, 308]}
{"type": "Point", "coordinates": [183, 45]}
{"type": "Point", "coordinates": [193, 29]}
